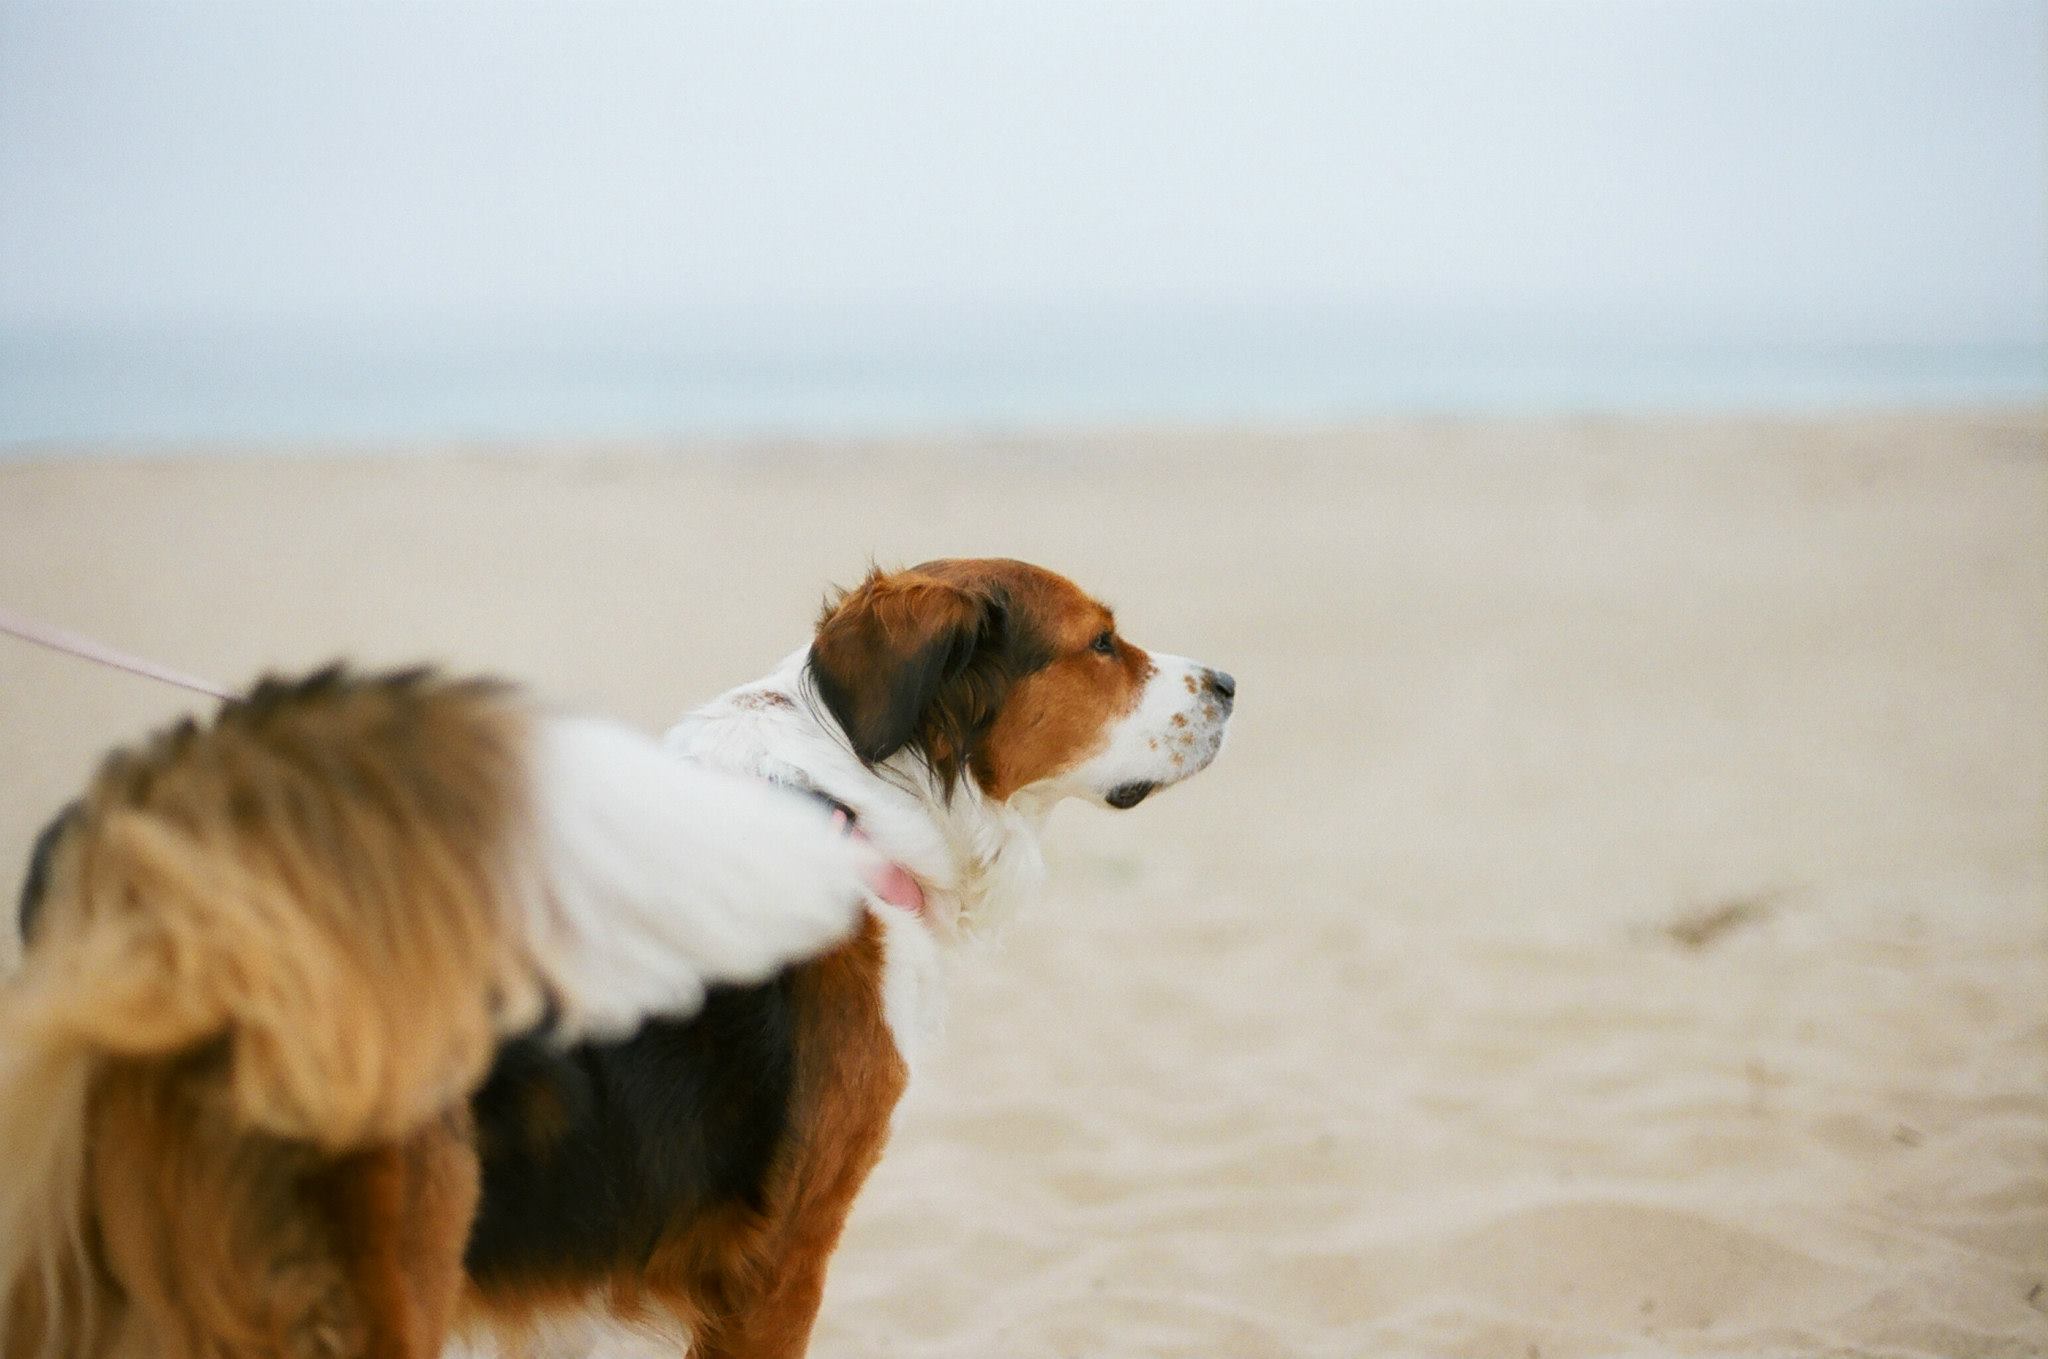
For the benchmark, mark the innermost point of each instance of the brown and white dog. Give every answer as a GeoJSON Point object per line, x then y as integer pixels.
{"type": "Point", "coordinates": [327, 1045]}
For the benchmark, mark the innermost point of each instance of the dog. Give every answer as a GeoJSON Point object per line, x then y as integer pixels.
{"type": "Point", "coordinates": [269, 960]}
{"type": "Point", "coordinates": [544, 1165]}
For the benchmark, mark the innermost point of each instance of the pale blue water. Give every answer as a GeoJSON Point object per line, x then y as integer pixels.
{"type": "Point", "coordinates": [281, 389]}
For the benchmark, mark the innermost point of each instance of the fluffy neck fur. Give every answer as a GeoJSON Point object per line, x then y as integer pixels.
{"type": "Point", "coordinates": [979, 861]}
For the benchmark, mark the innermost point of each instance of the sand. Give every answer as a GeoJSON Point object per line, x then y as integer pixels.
{"type": "Point", "coordinates": [1619, 924]}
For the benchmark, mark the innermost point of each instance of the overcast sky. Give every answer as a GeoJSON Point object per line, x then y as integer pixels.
{"type": "Point", "coordinates": [1870, 170]}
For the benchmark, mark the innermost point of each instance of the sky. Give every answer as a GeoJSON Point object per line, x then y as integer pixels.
{"type": "Point", "coordinates": [1734, 172]}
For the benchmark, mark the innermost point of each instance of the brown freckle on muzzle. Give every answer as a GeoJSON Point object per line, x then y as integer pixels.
{"type": "Point", "coordinates": [1180, 719]}
{"type": "Point", "coordinates": [1189, 680]}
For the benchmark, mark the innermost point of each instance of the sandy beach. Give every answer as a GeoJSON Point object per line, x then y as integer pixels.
{"type": "Point", "coordinates": [1618, 925]}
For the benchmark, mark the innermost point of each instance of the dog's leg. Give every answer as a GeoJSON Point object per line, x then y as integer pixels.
{"type": "Point", "coordinates": [850, 1078]}
{"type": "Point", "coordinates": [777, 1325]}
{"type": "Point", "coordinates": [401, 1215]}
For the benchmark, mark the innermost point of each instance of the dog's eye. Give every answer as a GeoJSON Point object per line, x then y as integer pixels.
{"type": "Point", "coordinates": [1106, 644]}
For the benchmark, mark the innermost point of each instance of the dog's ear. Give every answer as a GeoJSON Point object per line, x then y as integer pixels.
{"type": "Point", "coordinates": [907, 659]}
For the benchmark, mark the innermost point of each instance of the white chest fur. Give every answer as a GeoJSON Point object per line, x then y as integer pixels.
{"type": "Point", "coordinates": [913, 983]}
{"type": "Point", "coordinates": [585, 1333]}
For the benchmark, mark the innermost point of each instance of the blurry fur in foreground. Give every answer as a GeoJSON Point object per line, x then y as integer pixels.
{"type": "Point", "coordinates": [269, 959]}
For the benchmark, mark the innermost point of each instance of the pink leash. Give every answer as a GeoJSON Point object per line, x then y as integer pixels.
{"type": "Point", "coordinates": [72, 644]}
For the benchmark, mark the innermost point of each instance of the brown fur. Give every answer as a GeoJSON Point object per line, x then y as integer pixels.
{"type": "Point", "coordinates": [1060, 714]}
{"type": "Point", "coordinates": [242, 930]}
{"type": "Point", "coordinates": [402, 1214]}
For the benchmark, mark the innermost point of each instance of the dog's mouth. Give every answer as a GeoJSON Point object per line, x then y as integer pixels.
{"type": "Point", "coordinates": [1125, 796]}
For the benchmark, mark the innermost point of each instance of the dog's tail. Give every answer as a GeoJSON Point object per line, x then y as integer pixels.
{"type": "Point", "coordinates": [263, 947]}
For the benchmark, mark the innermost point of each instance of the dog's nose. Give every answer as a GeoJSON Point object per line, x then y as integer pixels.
{"type": "Point", "coordinates": [1222, 685]}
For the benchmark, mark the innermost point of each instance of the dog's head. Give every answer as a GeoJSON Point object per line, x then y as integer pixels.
{"type": "Point", "coordinates": [1012, 676]}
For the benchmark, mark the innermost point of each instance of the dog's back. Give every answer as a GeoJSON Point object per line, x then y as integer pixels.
{"type": "Point", "coordinates": [270, 959]}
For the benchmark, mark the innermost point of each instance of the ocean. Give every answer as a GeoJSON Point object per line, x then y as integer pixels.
{"type": "Point", "coordinates": [280, 388]}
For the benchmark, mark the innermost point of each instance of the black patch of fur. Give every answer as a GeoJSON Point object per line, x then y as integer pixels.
{"type": "Point", "coordinates": [592, 1153]}
{"type": "Point", "coordinates": [37, 884]}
